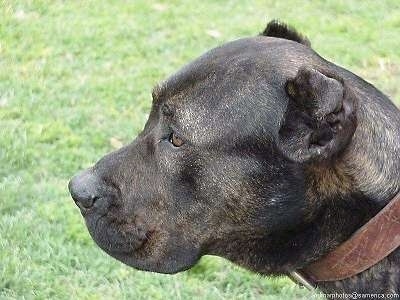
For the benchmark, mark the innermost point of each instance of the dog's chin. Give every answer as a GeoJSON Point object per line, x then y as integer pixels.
{"type": "Point", "coordinates": [164, 265]}
{"type": "Point", "coordinates": [154, 251]}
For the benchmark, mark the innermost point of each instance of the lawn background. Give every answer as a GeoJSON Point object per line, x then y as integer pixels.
{"type": "Point", "coordinates": [75, 82]}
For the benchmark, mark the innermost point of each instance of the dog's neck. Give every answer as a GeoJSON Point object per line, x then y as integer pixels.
{"type": "Point", "coordinates": [344, 194]}
{"type": "Point", "coordinates": [372, 160]}
{"type": "Point", "coordinates": [362, 181]}
{"type": "Point", "coordinates": [349, 191]}
{"type": "Point", "coordinates": [343, 197]}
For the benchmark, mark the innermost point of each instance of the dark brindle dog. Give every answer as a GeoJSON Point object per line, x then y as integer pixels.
{"type": "Point", "coordinates": [259, 151]}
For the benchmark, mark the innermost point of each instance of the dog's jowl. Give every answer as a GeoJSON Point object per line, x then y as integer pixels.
{"type": "Point", "coordinates": [259, 151]}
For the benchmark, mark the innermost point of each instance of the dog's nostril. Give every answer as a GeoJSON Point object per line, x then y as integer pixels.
{"type": "Point", "coordinates": [83, 200]}
{"type": "Point", "coordinates": [87, 202]}
{"type": "Point", "coordinates": [84, 189]}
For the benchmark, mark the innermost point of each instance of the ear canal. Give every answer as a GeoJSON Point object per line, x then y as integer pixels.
{"type": "Point", "coordinates": [320, 118]}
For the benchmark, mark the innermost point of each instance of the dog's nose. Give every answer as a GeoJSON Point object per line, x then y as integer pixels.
{"type": "Point", "coordinates": [84, 188]}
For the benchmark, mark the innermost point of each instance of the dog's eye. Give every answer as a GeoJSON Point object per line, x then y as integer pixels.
{"type": "Point", "coordinates": [175, 140]}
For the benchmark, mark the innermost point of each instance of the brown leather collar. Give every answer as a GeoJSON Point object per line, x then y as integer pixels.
{"type": "Point", "coordinates": [367, 246]}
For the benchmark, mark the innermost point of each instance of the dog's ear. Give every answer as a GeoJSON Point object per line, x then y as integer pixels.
{"type": "Point", "coordinates": [281, 30]}
{"type": "Point", "coordinates": [320, 118]}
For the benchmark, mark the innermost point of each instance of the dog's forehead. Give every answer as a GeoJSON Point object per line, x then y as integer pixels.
{"type": "Point", "coordinates": [235, 86]}
{"type": "Point", "coordinates": [271, 56]}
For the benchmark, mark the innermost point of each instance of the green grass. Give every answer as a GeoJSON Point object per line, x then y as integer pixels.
{"type": "Point", "coordinates": [75, 81]}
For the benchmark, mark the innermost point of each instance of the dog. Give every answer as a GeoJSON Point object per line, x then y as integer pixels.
{"type": "Point", "coordinates": [259, 151]}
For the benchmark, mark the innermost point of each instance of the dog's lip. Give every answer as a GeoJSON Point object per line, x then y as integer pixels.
{"type": "Point", "coordinates": [148, 237]}
{"type": "Point", "coordinates": [136, 249]}
{"type": "Point", "coordinates": [131, 238]}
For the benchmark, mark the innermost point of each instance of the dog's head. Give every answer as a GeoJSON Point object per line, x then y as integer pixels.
{"type": "Point", "coordinates": [219, 166]}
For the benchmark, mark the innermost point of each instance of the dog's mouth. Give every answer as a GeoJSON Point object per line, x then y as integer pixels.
{"type": "Point", "coordinates": [120, 237]}
{"type": "Point", "coordinates": [148, 248]}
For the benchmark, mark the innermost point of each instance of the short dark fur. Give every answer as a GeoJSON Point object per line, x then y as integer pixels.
{"type": "Point", "coordinates": [285, 155]}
